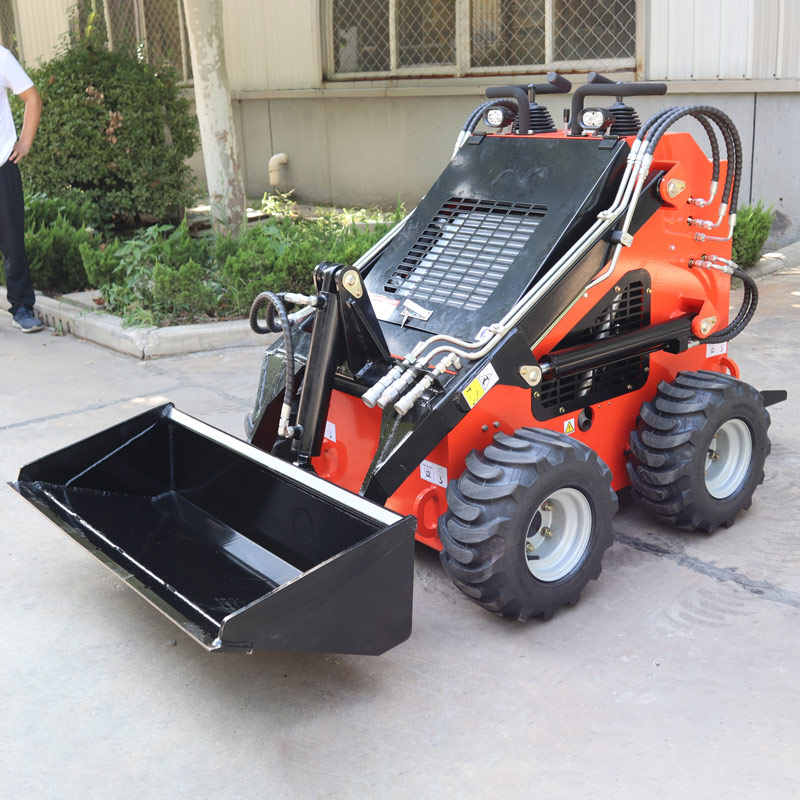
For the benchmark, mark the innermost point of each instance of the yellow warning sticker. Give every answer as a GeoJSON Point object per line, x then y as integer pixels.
{"type": "Point", "coordinates": [569, 425]}
{"type": "Point", "coordinates": [476, 389]}
{"type": "Point", "coordinates": [473, 393]}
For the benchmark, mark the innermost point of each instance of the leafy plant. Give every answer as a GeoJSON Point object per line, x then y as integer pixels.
{"type": "Point", "coordinates": [160, 275]}
{"type": "Point", "coordinates": [54, 254]}
{"type": "Point", "coordinates": [73, 205]}
{"type": "Point", "coordinates": [751, 231]}
{"type": "Point", "coordinates": [115, 129]}
{"type": "Point", "coordinates": [163, 274]}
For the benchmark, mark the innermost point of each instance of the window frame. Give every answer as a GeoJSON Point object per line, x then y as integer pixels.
{"type": "Point", "coordinates": [463, 47]}
{"type": "Point", "coordinates": [140, 22]}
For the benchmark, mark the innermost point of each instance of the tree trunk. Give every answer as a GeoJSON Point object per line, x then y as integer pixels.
{"type": "Point", "coordinates": [213, 101]}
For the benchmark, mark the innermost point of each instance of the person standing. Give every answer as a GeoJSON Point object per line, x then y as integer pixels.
{"type": "Point", "coordinates": [19, 286]}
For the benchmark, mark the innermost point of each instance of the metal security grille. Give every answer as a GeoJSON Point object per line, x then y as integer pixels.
{"type": "Point", "coordinates": [464, 252]}
{"type": "Point", "coordinates": [626, 311]}
{"type": "Point", "coordinates": [153, 30]}
{"type": "Point", "coordinates": [457, 37]}
{"type": "Point", "coordinates": [8, 27]}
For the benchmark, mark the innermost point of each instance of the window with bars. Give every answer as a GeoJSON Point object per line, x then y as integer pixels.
{"type": "Point", "coordinates": [384, 38]}
{"type": "Point", "coordinates": [154, 30]}
{"type": "Point", "coordinates": [8, 27]}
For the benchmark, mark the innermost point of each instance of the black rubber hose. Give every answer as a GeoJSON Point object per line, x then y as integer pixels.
{"type": "Point", "coordinates": [745, 313]}
{"type": "Point", "coordinates": [733, 147]}
{"type": "Point", "coordinates": [274, 302]}
{"type": "Point", "coordinates": [732, 143]}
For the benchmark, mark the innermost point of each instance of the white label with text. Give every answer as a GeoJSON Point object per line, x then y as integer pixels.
{"type": "Point", "coordinates": [433, 473]}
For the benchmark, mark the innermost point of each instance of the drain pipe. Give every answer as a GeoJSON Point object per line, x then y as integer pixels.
{"type": "Point", "coordinates": [275, 168]}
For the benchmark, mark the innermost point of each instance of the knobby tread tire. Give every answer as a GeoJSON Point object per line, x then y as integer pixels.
{"type": "Point", "coordinates": [491, 506]}
{"type": "Point", "coordinates": [668, 449]}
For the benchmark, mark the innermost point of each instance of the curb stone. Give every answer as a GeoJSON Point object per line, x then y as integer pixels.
{"type": "Point", "coordinates": [143, 343]}
{"type": "Point", "coordinates": [786, 257]}
{"type": "Point", "coordinates": [107, 330]}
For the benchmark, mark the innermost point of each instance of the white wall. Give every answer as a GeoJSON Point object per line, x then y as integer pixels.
{"type": "Point", "coordinates": [272, 44]}
{"type": "Point", "coordinates": [42, 23]}
{"type": "Point", "coordinates": [722, 39]}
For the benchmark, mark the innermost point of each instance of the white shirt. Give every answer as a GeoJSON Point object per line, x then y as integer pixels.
{"type": "Point", "coordinates": [13, 77]}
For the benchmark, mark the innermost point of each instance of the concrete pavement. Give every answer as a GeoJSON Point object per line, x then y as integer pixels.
{"type": "Point", "coordinates": [677, 675]}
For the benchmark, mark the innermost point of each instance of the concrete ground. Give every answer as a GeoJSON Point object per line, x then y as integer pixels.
{"type": "Point", "coordinates": [677, 675]}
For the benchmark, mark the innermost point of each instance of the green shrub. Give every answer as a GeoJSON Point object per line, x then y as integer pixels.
{"type": "Point", "coordinates": [183, 291]}
{"type": "Point", "coordinates": [751, 231]}
{"type": "Point", "coordinates": [71, 204]}
{"type": "Point", "coordinates": [54, 254]}
{"type": "Point", "coordinates": [101, 262]}
{"type": "Point", "coordinates": [115, 129]}
{"type": "Point", "coordinates": [163, 274]}
{"type": "Point", "coordinates": [160, 275]}
{"type": "Point", "coordinates": [248, 265]}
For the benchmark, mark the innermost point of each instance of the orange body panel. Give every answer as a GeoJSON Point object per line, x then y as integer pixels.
{"type": "Point", "coordinates": [663, 246]}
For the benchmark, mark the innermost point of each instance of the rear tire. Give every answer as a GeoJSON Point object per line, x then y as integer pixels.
{"type": "Point", "coordinates": [698, 451]}
{"type": "Point", "coordinates": [527, 523]}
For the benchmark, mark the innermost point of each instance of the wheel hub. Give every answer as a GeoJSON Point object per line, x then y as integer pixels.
{"type": "Point", "coordinates": [558, 535]}
{"type": "Point", "coordinates": [728, 458]}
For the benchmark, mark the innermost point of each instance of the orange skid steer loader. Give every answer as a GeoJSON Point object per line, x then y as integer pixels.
{"type": "Point", "coordinates": [549, 325]}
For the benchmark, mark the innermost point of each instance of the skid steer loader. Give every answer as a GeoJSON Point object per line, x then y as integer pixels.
{"type": "Point", "coordinates": [548, 326]}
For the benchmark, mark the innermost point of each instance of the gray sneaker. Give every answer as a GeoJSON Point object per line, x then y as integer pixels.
{"type": "Point", "coordinates": [26, 320]}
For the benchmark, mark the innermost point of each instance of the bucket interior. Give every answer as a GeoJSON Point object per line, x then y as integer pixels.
{"type": "Point", "coordinates": [204, 527]}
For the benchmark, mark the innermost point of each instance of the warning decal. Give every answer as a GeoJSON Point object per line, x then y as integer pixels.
{"type": "Point", "coordinates": [569, 425]}
{"type": "Point", "coordinates": [383, 306]}
{"type": "Point", "coordinates": [484, 381]}
{"type": "Point", "coordinates": [330, 431]}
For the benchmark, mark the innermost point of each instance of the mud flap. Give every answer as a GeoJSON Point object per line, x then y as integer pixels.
{"type": "Point", "coordinates": [240, 549]}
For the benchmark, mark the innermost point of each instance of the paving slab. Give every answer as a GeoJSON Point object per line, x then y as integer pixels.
{"type": "Point", "coordinates": [677, 675]}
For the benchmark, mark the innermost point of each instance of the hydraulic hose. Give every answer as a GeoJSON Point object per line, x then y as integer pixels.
{"type": "Point", "coordinates": [274, 303]}
{"type": "Point", "coordinates": [745, 313]}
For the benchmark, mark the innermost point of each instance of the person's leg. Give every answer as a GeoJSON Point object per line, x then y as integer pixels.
{"type": "Point", "coordinates": [19, 286]}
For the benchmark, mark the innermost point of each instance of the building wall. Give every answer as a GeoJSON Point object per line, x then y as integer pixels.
{"type": "Point", "coordinates": [42, 24]}
{"type": "Point", "coordinates": [723, 39]}
{"type": "Point", "coordinates": [381, 150]}
{"type": "Point", "coordinates": [380, 141]}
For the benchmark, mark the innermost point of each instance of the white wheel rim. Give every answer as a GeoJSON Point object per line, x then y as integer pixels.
{"type": "Point", "coordinates": [558, 535]}
{"type": "Point", "coordinates": [728, 458]}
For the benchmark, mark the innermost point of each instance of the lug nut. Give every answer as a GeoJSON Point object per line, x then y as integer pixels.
{"type": "Point", "coordinates": [547, 506]}
{"type": "Point", "coordinates": [547, 533]}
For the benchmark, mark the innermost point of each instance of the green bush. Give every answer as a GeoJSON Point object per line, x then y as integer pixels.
{"type": "Point", "coordinates": [54, 254]}
{"type": "Point", "coordinates": [115, 129]}
{"type": "Point", "coordinates": [751, 231]}
{"type": "Point", "coordinates": [164, 275]}
{"type": "Point", "coordinates": [73, 205]}
{"type": "Point", "coordinates": [160, 275]}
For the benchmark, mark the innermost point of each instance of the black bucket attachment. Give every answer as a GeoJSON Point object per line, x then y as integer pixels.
{"type": "Point", "coordinates": [240, 549]}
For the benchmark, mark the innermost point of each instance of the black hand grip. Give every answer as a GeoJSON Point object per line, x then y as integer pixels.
{"type": "Point", "coordinates": [556, 84]}
{"type": "Point", "coordinates": [608, 90]}
{"type": "Point", "coordinates": [596, 77]}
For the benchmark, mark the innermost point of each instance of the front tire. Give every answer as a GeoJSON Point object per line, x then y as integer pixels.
{"type": "Point", "coordinates": [527, 523]}
{"type": "Point", "coordinates": [698, 451]}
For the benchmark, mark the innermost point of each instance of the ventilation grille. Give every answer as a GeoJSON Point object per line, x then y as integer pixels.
{"type": "Point", "coordinates": [626, 311]}
{"type": "Point", "coordinates": [576, 391]}
{"type": "Point", "coordinates": [464, 252]}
